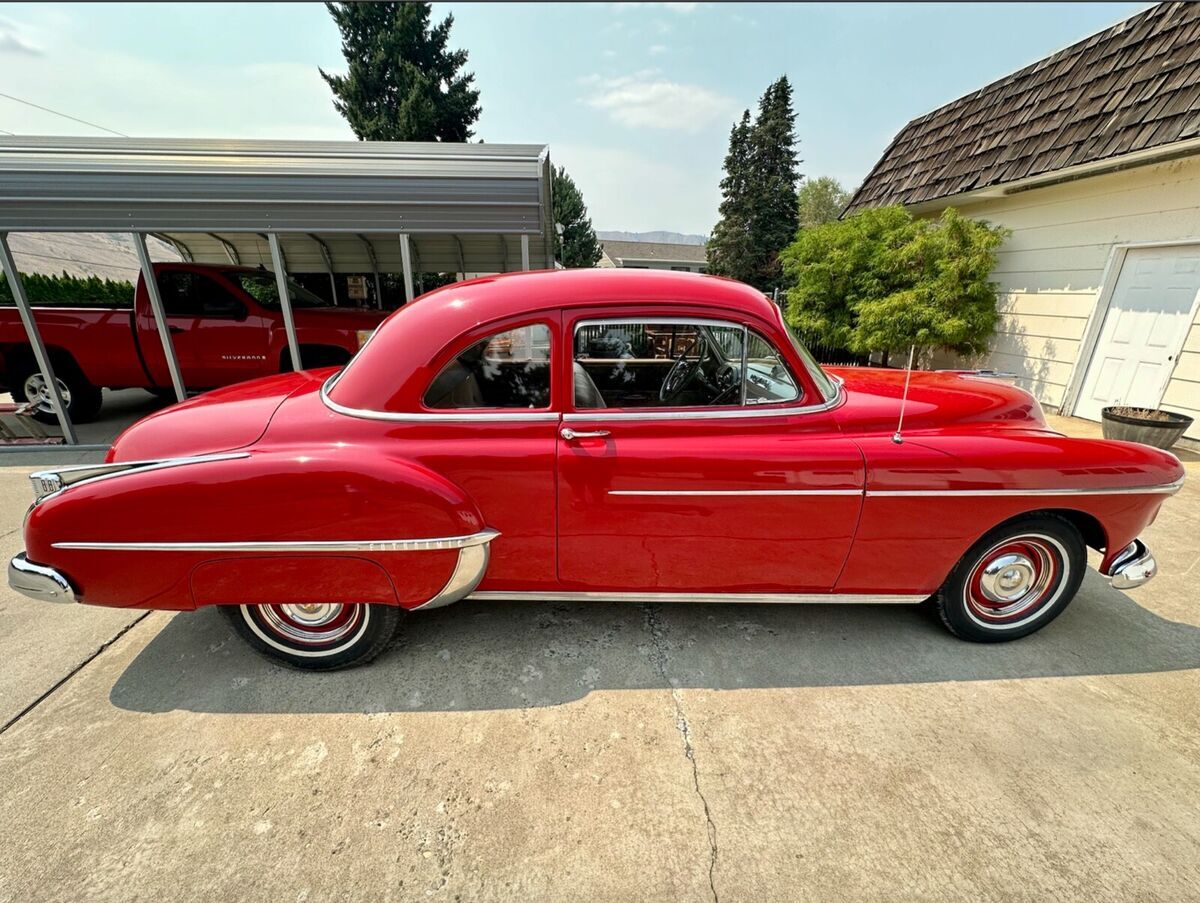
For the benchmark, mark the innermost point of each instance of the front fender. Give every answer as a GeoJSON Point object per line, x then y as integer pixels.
{"type": "Point", "coordinates": [150, 537]}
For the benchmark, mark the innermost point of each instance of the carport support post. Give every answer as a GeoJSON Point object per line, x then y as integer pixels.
{"type": "Point", "coordinates": [285, 300]}
{"type": "Point", "coordinates": [160, 317]}
{"type": "Point", "coordinates": [406, 264]}
{"type": "Point", "coordinates": [524, 252]}
{"type": "Point", "coordinates": [35, 339]}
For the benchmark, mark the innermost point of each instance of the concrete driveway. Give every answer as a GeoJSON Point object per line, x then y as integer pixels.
{"type": "Point", "coordinates": [611, 752]}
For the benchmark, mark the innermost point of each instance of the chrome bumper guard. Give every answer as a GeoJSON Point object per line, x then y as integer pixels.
{"type": "Point", "coordinates": [1133, 567]}
{"type": "Point", "coordinates": [38, 581]}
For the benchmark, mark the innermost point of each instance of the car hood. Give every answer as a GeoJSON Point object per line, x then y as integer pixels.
{"type": "Point", "coordinates": [935, 399]}
{"type": "Point", "coordinates": [217, 421]}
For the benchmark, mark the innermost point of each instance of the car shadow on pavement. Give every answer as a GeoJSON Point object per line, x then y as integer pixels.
{"type": "Point", "coordinates": [478, 656]}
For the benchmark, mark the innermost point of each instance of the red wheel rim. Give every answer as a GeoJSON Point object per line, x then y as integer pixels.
{"type": "Point", "coordinates": [1014, 580]}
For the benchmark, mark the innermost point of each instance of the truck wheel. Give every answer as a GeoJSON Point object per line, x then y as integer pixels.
{"type": "Point", "coordinates": [83, 400]}
{"type": "Point", "coordinates": [1015, 580]}
{"type": "Point", "coordinates": [317, 636]}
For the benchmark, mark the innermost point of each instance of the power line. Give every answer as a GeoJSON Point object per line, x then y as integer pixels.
{"type": "Point", "coordinates": [29, 103]}
{"type": "Point", "coordinates": [7, 132]}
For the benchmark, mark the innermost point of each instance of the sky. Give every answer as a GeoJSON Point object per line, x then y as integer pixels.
{"type": "Point", "coordinates": [635, 99]}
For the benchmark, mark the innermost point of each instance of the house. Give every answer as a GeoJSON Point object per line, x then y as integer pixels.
{"type": "Point", "coordinates": [654, 255]}
{"type": "Point", "coordinates": [1091, 157]}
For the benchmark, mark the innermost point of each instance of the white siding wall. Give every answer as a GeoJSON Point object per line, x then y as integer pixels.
{"type": "Point", "coordinates": [1050, 269]}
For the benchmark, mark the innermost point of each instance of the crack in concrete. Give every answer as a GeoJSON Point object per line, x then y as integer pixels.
{"type": "Point", "coordinates": [83, 664]}
{"type": "Point", "coordinates": [661, 658]}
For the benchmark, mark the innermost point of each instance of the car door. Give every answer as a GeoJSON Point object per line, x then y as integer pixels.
{"type": "Point", "coordinates": [736, 483]}
{"type": "Point", "coordinates": [218, 339]}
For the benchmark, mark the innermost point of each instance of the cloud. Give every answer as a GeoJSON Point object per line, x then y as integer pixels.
{"type": "Point", "coordinates": [643, 100]}
{"type": "Point", "coordinates": [658, 49]}
{"type": "Point", "coordinates": [11, 40]}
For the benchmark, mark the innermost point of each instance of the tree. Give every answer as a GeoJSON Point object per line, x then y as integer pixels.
{"type": "Point", "coordinates": [758, 193]}
{"type": "Point", "coordinates": [774, 218]}
{"type": "Point", "coordinates": [578, 245]}
{"type": "Point", "coordinates": [402, 83]}
{"type": "Point", "coordinates": [881, 280]}
{"type": "Point", "coordinates": [820, 200]}
{"type": "Point", "coordinates": [728, 249]}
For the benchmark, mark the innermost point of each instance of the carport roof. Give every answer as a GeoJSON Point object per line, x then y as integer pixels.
{"type": "Point", "coordinates": [459, 202]}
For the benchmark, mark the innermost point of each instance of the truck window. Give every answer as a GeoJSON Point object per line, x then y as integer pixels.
{"type": "Point", "coordinates": [187, 294]}
{"type": "Point", "coordinates": [261, 286]}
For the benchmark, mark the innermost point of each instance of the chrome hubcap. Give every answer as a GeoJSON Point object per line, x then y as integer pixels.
{"type": "Point", "coordinates": [37, 390]}
{"type": "Point", "coordinates": [313, 614]}
{"type": "Point", "coordinates": [312, 623]}
{"type": "Point", "coordinates": [1008, 577]}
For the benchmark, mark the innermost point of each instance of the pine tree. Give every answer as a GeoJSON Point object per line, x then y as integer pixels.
{"type": "Point", "coordinates": [578, 245]}
{"type": "Point", "coordinates": [729, 249]}
{"type": "Point", "coordinates": [774, 218]}
{"type": "Point", "coordinates": [402, 83]}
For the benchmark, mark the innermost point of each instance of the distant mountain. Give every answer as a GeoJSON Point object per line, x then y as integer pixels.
{"type": "Point", "coordinates": [104, 254]}
{"type": "Point", "coordinates": [672, 238]}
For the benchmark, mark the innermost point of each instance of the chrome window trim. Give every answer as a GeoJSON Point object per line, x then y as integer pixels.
{"type": "Point", "coordinates": [347, 545]}
{"type": "Point", "coordinates": [731, 492]}
{"type": "Point", "coordinates": [1159, 489]}
{"type": "Point", "coordinates": [776, 598]}
{"type": "Point", "coordinates": [750, 410]}
{"type": "Point", "coordinates": [62, 476]}
{"type": "Point", "coordinates": [513, 415]}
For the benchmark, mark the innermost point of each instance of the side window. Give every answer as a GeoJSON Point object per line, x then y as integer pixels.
{"type": "Point", "coordinates": [178, 290]}
{"type": "Point", "coordinates": [623, 364]}
{"type": "Point", "coordinates": [768, 379]}
{"type": "Point", "coordinates": [510, 369]}
{"type": "Point", "coordinates": [187, 294]}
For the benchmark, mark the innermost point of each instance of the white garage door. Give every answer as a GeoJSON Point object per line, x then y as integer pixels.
{"type": "Point", "coordinates": [1145, 328]}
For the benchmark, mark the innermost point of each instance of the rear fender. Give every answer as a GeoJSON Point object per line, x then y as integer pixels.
{"type": "Point", "coordinates": [268, 526]}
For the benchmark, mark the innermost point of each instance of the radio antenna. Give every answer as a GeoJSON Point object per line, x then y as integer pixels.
{"type": "Point", "coordinates": [896, 437]}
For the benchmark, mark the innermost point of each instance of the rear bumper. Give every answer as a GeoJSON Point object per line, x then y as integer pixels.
{"type": "Point", "coordinates": [1133, 567]}
{"type": "Point", "coordinates": [38, 581]}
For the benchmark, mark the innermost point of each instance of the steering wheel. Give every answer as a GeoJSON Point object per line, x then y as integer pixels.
{"type": "Point", "coordinates": [681, 375]}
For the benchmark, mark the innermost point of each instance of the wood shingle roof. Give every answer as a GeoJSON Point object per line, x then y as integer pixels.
{"type": "Point", "coordinates": [1129, 88]}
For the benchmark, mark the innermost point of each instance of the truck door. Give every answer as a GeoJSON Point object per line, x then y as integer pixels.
{"type": "Point", "coordinates": [218, 339]}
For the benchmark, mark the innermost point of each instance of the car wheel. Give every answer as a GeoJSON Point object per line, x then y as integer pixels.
{"type": "Point", "coordinates": [316, 636]}
{"type": "Point", "coordinates": [1015, 580]}
{"type": "Point", "coordinates": [83, 400]}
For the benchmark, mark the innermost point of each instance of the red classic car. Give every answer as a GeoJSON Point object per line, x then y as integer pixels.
{"type": "Point", "coordinates": [590, 434]}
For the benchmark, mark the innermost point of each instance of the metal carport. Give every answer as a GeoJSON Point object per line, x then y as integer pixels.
{"type": "Point", "coordinates": [304, 206]}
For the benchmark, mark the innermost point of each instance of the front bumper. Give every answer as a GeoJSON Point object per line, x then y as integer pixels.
{"type": "Point", "coordinates": [38, 581]}
{"type": "Point", "coordinates": [1133, 567]}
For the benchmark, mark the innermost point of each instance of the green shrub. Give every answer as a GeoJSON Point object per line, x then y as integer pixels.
{"type": "Point", "coordinates": [66, 291]}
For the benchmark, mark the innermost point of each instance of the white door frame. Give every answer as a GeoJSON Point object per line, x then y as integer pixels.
{"type": "Point", "coordinates": [1095, 321]}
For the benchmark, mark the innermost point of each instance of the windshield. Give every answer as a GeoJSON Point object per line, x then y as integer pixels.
{"type": "Point", "coordinates": [263, 289]}
{"type": "Point", "coordinates": [825, 384]}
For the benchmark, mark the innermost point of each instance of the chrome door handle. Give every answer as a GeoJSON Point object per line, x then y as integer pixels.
{"type": "Point", "coordinates": [567, 433]}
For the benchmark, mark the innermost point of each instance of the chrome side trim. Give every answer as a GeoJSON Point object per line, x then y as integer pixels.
{"type": "Point", "coordinates": [38, 581]}
{"type": "Point", "coordinates": [471, 566]}
{"type": "Point", "coordinates": [732, 492]}
{"type": "Point", "coordinates": [516, 415]}
{"type": "Point", "coordinates": [348, 545]}
{"type": "Point", "coordinates": [1133, 567]}
{"type": "Point", "coordinates": [755, 598]}
{"type": "Point", "coordinates": [1160, 489]}
{"type": "Point", "coordinates": [47, 483]}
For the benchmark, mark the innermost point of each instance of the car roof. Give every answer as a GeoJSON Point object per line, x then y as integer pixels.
{"type": "Point", "coordinates": [438, 318]}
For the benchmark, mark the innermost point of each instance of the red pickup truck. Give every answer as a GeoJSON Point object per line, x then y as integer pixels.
{"type": "Point", "coordinates": [225, 321]}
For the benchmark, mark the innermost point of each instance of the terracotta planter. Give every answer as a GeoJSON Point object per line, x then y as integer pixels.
{"type": "Point", "coordinates": [1160, 429]}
